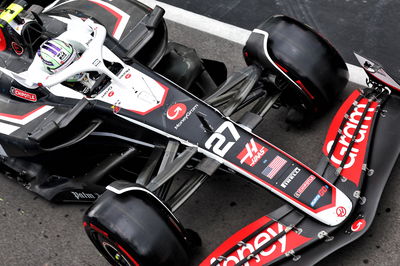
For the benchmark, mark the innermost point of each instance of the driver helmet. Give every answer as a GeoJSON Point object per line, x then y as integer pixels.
{"type": "Point", "coordinates": [57, 55]}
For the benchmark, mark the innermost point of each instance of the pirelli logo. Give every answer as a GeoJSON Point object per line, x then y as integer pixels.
{"type": "Point", "coordinates": [290, 177]}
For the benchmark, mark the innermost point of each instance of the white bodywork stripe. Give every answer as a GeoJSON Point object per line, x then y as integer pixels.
{"type": "Point", "coordinates": [25, 119]}
{"type": "Point", "coordinates": [117, 191]}
{"type": "Point", "coordinates": [265, 43]}
{"type": "Point", "coordinates": [55, 4]}
{"type": "Point", "coordinates": [122, 21]}
{"type": "Point", "coordinates": [7, 129]}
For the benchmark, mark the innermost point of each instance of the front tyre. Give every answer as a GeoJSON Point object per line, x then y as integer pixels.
{"type": "Point", "coordinates": [308, 69]}
{"type": "Point", "coordinates": [135, 228]}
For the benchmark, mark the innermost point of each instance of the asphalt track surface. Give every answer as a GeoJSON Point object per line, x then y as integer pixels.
{"type": "Point", "coordinates": [36, 232]}
{"type": "Point", "coordinates": [369, 27]}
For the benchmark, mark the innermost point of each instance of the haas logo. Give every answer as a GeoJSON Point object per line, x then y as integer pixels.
{"type": "Point", "coordinates": [176, 111]}
{"type": "Point", "coordinates": [252, 153]}
{"type": "Point", "coordinates": [341, 211]}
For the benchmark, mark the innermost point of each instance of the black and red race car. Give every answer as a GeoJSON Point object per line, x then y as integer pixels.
{"type": "Point", "coordinates": [154, 109]}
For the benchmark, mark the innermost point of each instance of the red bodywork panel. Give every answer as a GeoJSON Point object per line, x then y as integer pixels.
{"type": "Point", "coordinates": [354, 164]}
{"type": "Point", "coordinates": [283, 245]}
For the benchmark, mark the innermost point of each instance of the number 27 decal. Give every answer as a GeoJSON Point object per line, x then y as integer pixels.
{"type": "Point", "coordinates": [217, 141]}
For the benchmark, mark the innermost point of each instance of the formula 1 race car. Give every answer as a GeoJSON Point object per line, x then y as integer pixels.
{"type": "Point", "coordinates": [145, 110]}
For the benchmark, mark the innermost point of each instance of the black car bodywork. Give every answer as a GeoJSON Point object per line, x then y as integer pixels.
{"type": "Point", "coordinates": [68, 149]}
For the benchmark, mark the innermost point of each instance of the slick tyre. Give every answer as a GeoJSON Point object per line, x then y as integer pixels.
{"type": "Point", "coordinates": [132, 229]}
{"type": "Point", "coordinates": [308, 69]}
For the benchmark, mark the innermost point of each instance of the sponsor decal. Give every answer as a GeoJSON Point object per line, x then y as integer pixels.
{"type": "Point", "coordinates": [185, 116]}
{"type": "Point", "coordinates": [23, 94]}
{"type": "Point", "coordinates": [252, 153]}
{"type": "Point", "coordinates": [304, 186]}
{"type": "Point", "coordinates": [290, 177]}
{"type": "Point", "coordinates": [353, 166]}
{"type": "Point", "coordinates": [347, 136]}
{"type": "Point", "coordinates": [107, 92]}
{"type": "Point", "coordinates": [358, 225]}
{"type": "Point", "coordinates": [176, 111]}
{"type": "Point", "coordinates": [274, 167]}
{"type": "Point", "coordinates": [217, 141]}
{"type": "Point", "coordinates": [125, 74]}
{"type": "Point", "coordinates": [111, 94]}
{"type": "Point", "coordinates": [315, 200]}
{"type": "Point", "coordinates": [278, 247]}
{"type": "Point", "coordinates": [18, 49]}
{"type": "Point", "coordinates": [84, 196]}
{"type": "Point", "coordinates": [341, 211]}
{"type": "Point", "coordinates": [116, 107]}
{"type": "Point", "coordinates": [322, 191]}
{"type": "Point", "coordinates": [287, 242]}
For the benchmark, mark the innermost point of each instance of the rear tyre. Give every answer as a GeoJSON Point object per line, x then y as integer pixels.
{"type": "Point", "coordinates": [134, 229]}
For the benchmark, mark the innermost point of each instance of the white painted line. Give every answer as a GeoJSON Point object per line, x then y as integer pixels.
{"type": "Point", "coordinates": [228, 32]}
{"type": "Point", "coordinates": [202, 23]}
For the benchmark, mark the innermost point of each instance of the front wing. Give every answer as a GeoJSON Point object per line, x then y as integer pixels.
{"type": "Point", "coordinates": [359, 166]}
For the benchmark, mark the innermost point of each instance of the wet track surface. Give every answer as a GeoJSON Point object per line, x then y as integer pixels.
{"type": "Point", "coordinates": [35, 232]}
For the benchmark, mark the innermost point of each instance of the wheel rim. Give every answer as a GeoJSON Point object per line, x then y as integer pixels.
{"type": "Point", "coordinates": [115, 254]}
{"type": "Point", "coordinates": [109, 250]}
